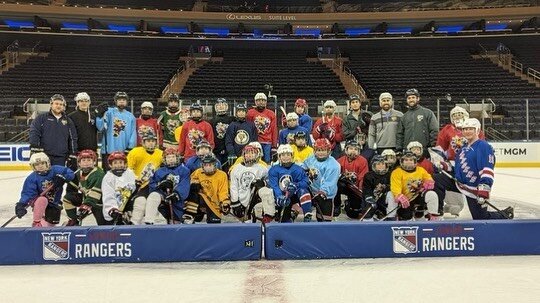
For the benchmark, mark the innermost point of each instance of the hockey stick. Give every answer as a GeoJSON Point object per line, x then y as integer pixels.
{"type": "Point", "coordinates": [171, 219]}
{"type": "Point", "coordinates": [31, 202]}
{"type": "Point", "coordinates": [146, 174]}
{"type": "Point", "coordinates": [250, 206]}
{"type": "Point", "coordinates": [365, 214]}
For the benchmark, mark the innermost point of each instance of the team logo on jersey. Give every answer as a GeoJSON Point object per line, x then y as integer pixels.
{"type": "Point", "coordinates": [195, 137]}
{"type": "Point", "coordinates": [420, 118]}
{"type": "Point", "coordinates": [145, 130]}
{"type": "Point", "coordinates": [221, 129]}
{"type": "Point", "coordinates": [262, 123]}
{"type": "Point", "coordinates": [290, 138]}
{"type": "Point", "coordinates": [55, 246]}
{"type": "Point", "coordinates": [405, 239]}
{"type": "Point", "coordinates": [414, 185]}
{"type": "Point", "coordinates": [172, 125]}
{"type": "Point", "coordinates": [284, 182]}
{"type": "Point", "coordinates": [118, 126]}
{"type": "Point", "coordinates": [51, 193]}
{"type": "Point", "coordinates": [246, 179]}
{"type": "Point", "coordinates": [241, 138]}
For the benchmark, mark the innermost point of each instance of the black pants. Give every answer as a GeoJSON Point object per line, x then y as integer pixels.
{"type": "Point", "coordinates": [444, 183]}
{"type": "Point", "coordinates": [76, 199]}
{"type": "Point", "coordinates": [55, 160]}
{"type": "Point", "coordinates": [195, 198]}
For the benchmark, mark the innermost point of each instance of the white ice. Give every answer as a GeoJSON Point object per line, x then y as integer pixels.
{"type": "Point", "coordinates": [460, 279]}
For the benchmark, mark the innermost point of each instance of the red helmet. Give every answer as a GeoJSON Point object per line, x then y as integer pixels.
{"type": "Point", "coordinates": [250, 150]}
{"type": "Point", "coordinates": [300, 102]}
{"type": "Point", "coordinates": [322, 143]}
{"type": "Point", "coordinates": [117, 155]}
{"type": "Point", "coordinates": [87, 153]}
{"type": "Point", "coordinates": [171, 151]}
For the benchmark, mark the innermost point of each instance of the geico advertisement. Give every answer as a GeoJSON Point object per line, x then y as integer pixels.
{"type": "Point", "coordinates": [14, 154]}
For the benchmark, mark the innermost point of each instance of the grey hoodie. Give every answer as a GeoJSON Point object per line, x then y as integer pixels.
{"type": "Point", "coordinates": [383, 129]}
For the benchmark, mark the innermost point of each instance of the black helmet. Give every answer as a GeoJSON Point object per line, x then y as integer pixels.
{"type": "Point", "coordinates": [121, 95]}
{"type": "Point", "coordinates": [241, 106]}
{"type": "Point", "coordinates": [196, 106]}
{"type": "Point", "coordinates": [174, 97]}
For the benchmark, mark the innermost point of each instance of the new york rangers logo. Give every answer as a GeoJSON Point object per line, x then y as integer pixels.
{"type": "Point", "coordinates": [405, 240]}
{"type": "Point", "coordinates": [55, 246]}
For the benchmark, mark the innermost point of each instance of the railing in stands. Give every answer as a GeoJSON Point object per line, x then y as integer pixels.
{"type": "Point", "coordinates": [533, 74]}
{"type": "Point", "coordinates": [516, 66]}
{"type": "Point", "coordinates": [495, 135]}
{"type": "Point", "coordinates": [21, 137]}
{"type": "Point", "coordinates": [359, 89]}
{"type": "Point", "coordinates": [167, 90]}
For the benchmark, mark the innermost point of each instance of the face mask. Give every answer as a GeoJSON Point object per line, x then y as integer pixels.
{"type": "Point", "coordinates": [118, 172]}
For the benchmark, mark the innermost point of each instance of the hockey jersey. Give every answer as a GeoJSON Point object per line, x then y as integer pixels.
{"type": "Point", "coordinates": [300, 155]}
{"type": "Point", "coordinates": [220, 124]}
{"type": "Point", "coordinates": [116, 191]}
{"type": "Point", "coordinates": [91, 185]}
{"type": "Point", "coordinates": [280, 176]}
{"type": "Point", "coordinates": [327, 174]}
{"type": "Point", "coordinates": [474, 165]}
{"type": "Point", "coordinates": [214, 189]}
{"type": "Point", "coordinates": [286, 135]}
{"type": "Point", "coordinates": [119, 130]}
{"type": "Point", "coordinates": [375, 185]}
{"type": "Point", "coordinates": [241, 179]}
{"type": "Point", "coordinates": [355, 169]}
{"type": "Point", "coordinates": [266, 125]}
{"type": "Point", "coordinates": [448, 134]}
{"type": "Point", "coordinates": [192, 134]}
{"type": "Point", "coordinates": [238, 135]}
{"type": "Point", "coordinates": [139, 160]}
{"type": "Point", "coordinates": [408, 183]}
{"type": "Point", "coordinates": [195, 162]}
{"type": "Point", "coordinates": [240, 160]}
{"type": "Point", "coordinates": [148, 126]}
{"type": "Point", "coordinates": [426, 164]}
{"type": "Point", "coordinates": [331, 129]}
{"type": "Point", "coordinates": [35, 184]}
{"type": "Point", "coordinates": [169, 122]}
{"type": "Point", "coordinates": [306, 122]}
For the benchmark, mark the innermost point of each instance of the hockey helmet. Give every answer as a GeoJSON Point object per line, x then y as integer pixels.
{"type": "Point", "coordinates": [417, 146]}
{"type": "Point", "coordinates": [87, 154]}
{"type": "Point", "coordinates": [352, 149]}
{"type": "Point", "coordinates": [208, 164]}
{"type": "Point", "coordinates": [472, 123]}
{"type": "Point", "coordinates": [300, 102]}
{"type": "Point", "coordinates": [221, 107]}
{"type": "Point", "coordinates": [408, 161]}
{"type": "Point", "coordinates": [121, 95]}
{"type": "Point", "coordinates": [250, 155]}
{"type": "Point", "coordinates": [377, 162]}
{"type": "Point", "coordinates": [171, 157]}
{"type": "Point", "coordinates": [38, 158]}
{"type": "Point", "coordinates": [458, 115]}
{"type": "Point", "coordinates": [260, 96]}
{"type": "Point", "coordinates": [390, 156]}
{"type": "Point", "coordinates": [82, 96]}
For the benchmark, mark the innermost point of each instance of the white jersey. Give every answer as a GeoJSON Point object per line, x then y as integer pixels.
{"type": "Point", "coordinates": [241, 179]}
{"type": "Point", "coordinates": [113, 188]}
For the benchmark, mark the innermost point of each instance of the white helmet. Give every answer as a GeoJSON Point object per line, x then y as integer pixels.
{"type": "Point", "coordinates": [386, 96]}
{"type": "Point", "coordinates": [458, 121]}
{"type": "Point", "coordinates": [292, 116]}
{"type": "Point", "coordinates": [414, 144]}
{"type": "Point", "coordinates": [38, 158]}
{"type": "Point", "coordinates": [284, 148]}
{"type": "Point", "coordinates": [147, 104]}
{"type": "Point", "coordinates": [260, 96]}
{"type": "Point", "coordinates": [82, 96]}
{"type": "Point", "coordinates": [330, 103]}
{"type": "Point", "coordinates": [472, 123]}
{"type": "Point", "coordinates": [388, 152]}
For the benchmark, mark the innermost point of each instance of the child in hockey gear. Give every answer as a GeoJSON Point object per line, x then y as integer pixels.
{"type": "Point", "coordinates": [286, 135]}
{"type": "Point", "coordinates": [364, 151]}
{"type": "Point", "coordinates": [416, 148]}
{"type": "Point", "coordinates": [304, 120]}
{"type": "Point", "coordinates": [266, 124]}
{"type": "Point", "coordinates": [118, 128]}
{"type": "Point", "coordinates": [87, 195]}
{"type": "Point", "coordinates": [194, 131]}
{"type": "Point", "coordinates": [330, 127]}
{"type": "Point", "coordinates": [246, 180]}
{"type": "Point", "coordinates": [209, 193]}
{"type": "Point", "coordinates": [146, 124]}
{"type": "Point", "coordinates": [376, 189]}
{"type": "Point", "coordinates": [390, 157]}
{"type": "Point", "coordinates": [383, 125]}
{"type": "Point", "coordinates": [220, 123]}
{"type": "Point", "coordinates": [239, 134]}
{"type": "Point", "coordinates": [258, 147]}
{"type": "Point", "coordinates": [117, 187]}
{"type": "Point", "coordinates": [202, 150]}
{"type": "Point", "coordinates": [450, 138]}
{"type": "Point", "coordinates": [301, 150]}
{"type": "Point", "coordinates": [474, 175]}
{"type": "Point", "coordinates": [169, 120]}
{"type": "Point", "coordinates": [42, 191]}
{"type": "Point", "coordinates": [169, 188]}
{"type": "Point", "coordinates": [353, 169]}
{"type": "Point", "coordinates": [324, 172]}
{"type": "Point", "coordinates": [412, 188]}
{"type": "Point", "coordinates": [289, 183]}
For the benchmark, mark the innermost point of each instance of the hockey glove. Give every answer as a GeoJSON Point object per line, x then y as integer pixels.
{"type": "Point", "coordinates": [259, 183]}
{"type": "Point", "coordinates": [172, 198]}
{"type": "Point", "coordinates": [292, 188]}
{"type": "Point", "coordinates": [322, 128]}
{"type": "Point", "coordinates": [71, 162]}
{"type": "Point", "coordinates": [225, 208]}
{"type": "Point", "coordinates": [20, 210]}
{"type": "Point", "coordinates": [403, 201]}
{"type": "Point", "coordinates": [84, 211]}
{"type": "Point", "coordinates": [371, 201]}
{"type": "Point", "coordinates": [101, 109]}
{"type": "Point", "coordinates": [321, 194]}
{"type": "Point", "coordinates": [238, 209]}
{"type": "Point", "coordinates": [165, 185]}
{"type": "Point", "coordinates": [282, 201]}
{"type": "Point", "coordinates": [115, 214]}
{"type": "Point", "coordinates": [35, 149]}
{"type": "Point", "coordinates": [428, 185]}
{"type": "Point", "coordinates": [483, 193]}
{"type": "Point", "coordinates": [58, 180]}
{"type": "Point", "coordinates": [442, 166]}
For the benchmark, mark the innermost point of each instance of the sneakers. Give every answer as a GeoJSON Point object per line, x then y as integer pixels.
{"type": "Point", "coordinates": [509, 212]}
{"type": "Point", "coordinates": [188, 219]}
{"type": "Point", "coordinates": [307, 217]}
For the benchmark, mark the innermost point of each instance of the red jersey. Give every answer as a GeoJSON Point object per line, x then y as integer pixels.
{"type": "Point", "coordinates": [331, 129]}
{"type": "Point", "coordinates": [357, 168]}
{"type": "Point", "coordinates": [266, 125]}
{"type": "Point", "coordinates": [427, 165]}
{"type": "Point", "coordinates": [192, 134]}
{"type": "Point", "coordinates": [448, 134]}
{"type": "Point", "coordinates": [144, 127]}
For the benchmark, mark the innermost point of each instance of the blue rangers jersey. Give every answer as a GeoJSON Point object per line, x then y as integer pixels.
{"type": "Point", "coordinates": [474, 165]}
{"type": "Point", "coordinates": [35, 184]}
{"type": "Point", "coordinates": [326, 174]}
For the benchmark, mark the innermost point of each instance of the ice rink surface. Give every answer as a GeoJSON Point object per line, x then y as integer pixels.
{"type": "Point", "coordinates": [459, 279]}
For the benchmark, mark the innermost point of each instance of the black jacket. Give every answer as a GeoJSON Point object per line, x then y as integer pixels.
{"type": "Point", "coordinates": [86, 129]}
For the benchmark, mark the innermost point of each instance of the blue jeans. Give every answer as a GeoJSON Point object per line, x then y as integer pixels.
{"type": "Point", "coordinates": [267, 149]}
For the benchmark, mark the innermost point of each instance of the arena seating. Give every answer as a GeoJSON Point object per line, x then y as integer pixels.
{"type": "Point", "coordinates": [161, 5]}
{"type": "Point", "coordinates": [274, 6]}
{"type": "Point", "coordinates": [242, 73]}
